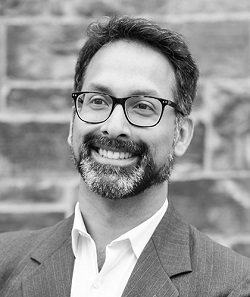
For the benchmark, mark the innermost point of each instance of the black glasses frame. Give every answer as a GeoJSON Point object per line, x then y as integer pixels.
{"type": "Point", "coordinates": [122, 101]}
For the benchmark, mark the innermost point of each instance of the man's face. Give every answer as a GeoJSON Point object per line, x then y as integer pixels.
{"type": "Point", "coordinates": [116, 159]}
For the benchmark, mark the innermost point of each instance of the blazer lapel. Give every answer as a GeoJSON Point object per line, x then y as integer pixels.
{"type": "Point", "coordinates": [166, 255]}
{"type": "Point", "coordinates": [54, 265]}
{"type": "Point", "coordinates": [148, 278]}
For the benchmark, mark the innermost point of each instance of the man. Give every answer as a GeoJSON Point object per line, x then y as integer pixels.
{"type": "Point", "coordinates": [134, 87]}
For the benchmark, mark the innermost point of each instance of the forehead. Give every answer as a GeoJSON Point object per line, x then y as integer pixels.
{"type": "Point", "coordinates": [132, 64]}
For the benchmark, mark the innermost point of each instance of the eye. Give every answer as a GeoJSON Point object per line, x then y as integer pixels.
{"type": "Point", "coordinates": [144, 106]}
{"type": "Point", "coordinates": [98, 100]}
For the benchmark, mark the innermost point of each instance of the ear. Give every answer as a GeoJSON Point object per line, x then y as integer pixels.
{"type": "Point", "coordinates": [71, 127]}
{"type": "Point", "coordinates": [184, 136]}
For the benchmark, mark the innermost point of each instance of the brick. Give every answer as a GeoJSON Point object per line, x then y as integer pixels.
{"type": "Point", "coordinates": [2, 61]}
{"type": "Point", "coordinates": [159, 7]}
{"type": "Point", "coordinates": [22, 7]}
{"type": "Point", "coordinates": [229, 106]}
{"type": "Point", "coordinates": [37, 191]}
{"type": "Point", "coordinates": [208, 6]}
{"type": "Point", "coordinates": [36, 52]}
{"type": "Point", "coordinates": [216, 47]}
{"type": "Point", "coordinates": [28, 221]}
{"type": "Point", "coordinates": [214, 206]}
{"type": "Point", "coordinates": [33, 148]}
{"type": "Point", "coordinates": [39, 101]}
{"type": "Point", "coordinates": [109, 7]}
{"type": "Point", "coordinates": [242, 248]}
{"type": "Point", "coordinates": [90, 7]}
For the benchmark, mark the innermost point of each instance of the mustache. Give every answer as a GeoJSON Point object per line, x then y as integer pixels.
{"type": "Point", "coordinates": [135, 148]}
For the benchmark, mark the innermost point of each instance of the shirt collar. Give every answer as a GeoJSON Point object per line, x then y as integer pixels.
{"type": "Point", "coordinates": [78, 228]}
{"type": "Point", "coordinates": [138, 236]}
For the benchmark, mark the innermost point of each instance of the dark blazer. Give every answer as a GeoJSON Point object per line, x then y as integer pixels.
{"type": "Point", "coordinates": [178, 260]}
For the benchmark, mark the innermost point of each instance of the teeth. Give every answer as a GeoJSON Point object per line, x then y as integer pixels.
{"type": "Point", "coordinates": [110, 155]}
{"type": "Point", "coordinates": [126, 155]}
{"type": "Point", "coordinates": [114, 155]}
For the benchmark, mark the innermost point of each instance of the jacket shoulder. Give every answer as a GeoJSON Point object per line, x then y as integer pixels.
{"type": "Point", "coordinates": [17, 247]}
{"type": "Point", "coordinates": [210, 248]}
{"type": "Point", "coordinates": [217, 269]}
{"type": "Point", "coordinates": [19, 242]}
{"type": "Point", "coordinates": [23, 241]}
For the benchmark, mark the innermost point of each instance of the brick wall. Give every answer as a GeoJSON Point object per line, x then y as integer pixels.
{"type": "Point", "coordinates": [39, 41]}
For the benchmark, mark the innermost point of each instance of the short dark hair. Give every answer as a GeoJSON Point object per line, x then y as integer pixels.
{"type": "Point", "coordinates": [167, 42]}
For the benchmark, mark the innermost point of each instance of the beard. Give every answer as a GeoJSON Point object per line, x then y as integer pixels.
{"type": "Point", "coordinates": [117, 182]}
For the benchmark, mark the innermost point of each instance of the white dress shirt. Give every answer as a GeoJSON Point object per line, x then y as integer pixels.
{"type": "Point", "coordinates": [121, 257]}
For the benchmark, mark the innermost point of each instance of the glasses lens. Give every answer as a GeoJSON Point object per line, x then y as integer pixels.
{"type": "Point", "coordinates": [143, 111]}
{"type": "Point", "coordinates": [93, 107]}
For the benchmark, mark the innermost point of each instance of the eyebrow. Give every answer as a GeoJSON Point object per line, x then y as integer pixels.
{"type": "Point", "coordinates": [103, 89]}
{"type": "Point", "coordinates": [99, 88]}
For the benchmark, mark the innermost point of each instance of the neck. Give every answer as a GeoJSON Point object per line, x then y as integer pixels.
{"type": "Point", "coordinates": [107, 219]}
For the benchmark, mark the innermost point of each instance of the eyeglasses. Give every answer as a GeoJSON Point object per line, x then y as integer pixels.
{"type": "Point", "coordinates": [140, 110]}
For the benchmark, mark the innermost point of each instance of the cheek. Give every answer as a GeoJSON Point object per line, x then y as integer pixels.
{"type": "Point", "coordinates": [77, 136]}
{"type": "Point", "coordinates": [161, 145]}
{"type": "Point", "coordinates": [80, 130]}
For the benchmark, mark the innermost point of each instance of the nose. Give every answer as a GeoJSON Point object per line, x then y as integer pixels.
{"type": "Point", "coordinates": [117, 124]}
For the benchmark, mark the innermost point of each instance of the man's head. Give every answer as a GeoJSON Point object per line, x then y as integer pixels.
{"type": "Point", "coordinates": [124, 152]}
{"type": "Point", "coordinates": [168, 43]}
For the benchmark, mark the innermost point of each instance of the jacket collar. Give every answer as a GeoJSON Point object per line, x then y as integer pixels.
{"type": "Point", "coordinates": [53, 239]}
{"type": "Point", "coordinates": [166, 254]}
{"type": "Point", "coordinates": [52, 263]}
{"type": "Point", "coordinates": [172, 242]}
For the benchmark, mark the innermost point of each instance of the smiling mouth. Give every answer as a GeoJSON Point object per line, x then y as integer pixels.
{"type": "Point", "coordinates": [114, 151]}
{"type": "Point", "coordinates": [116, 155]}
